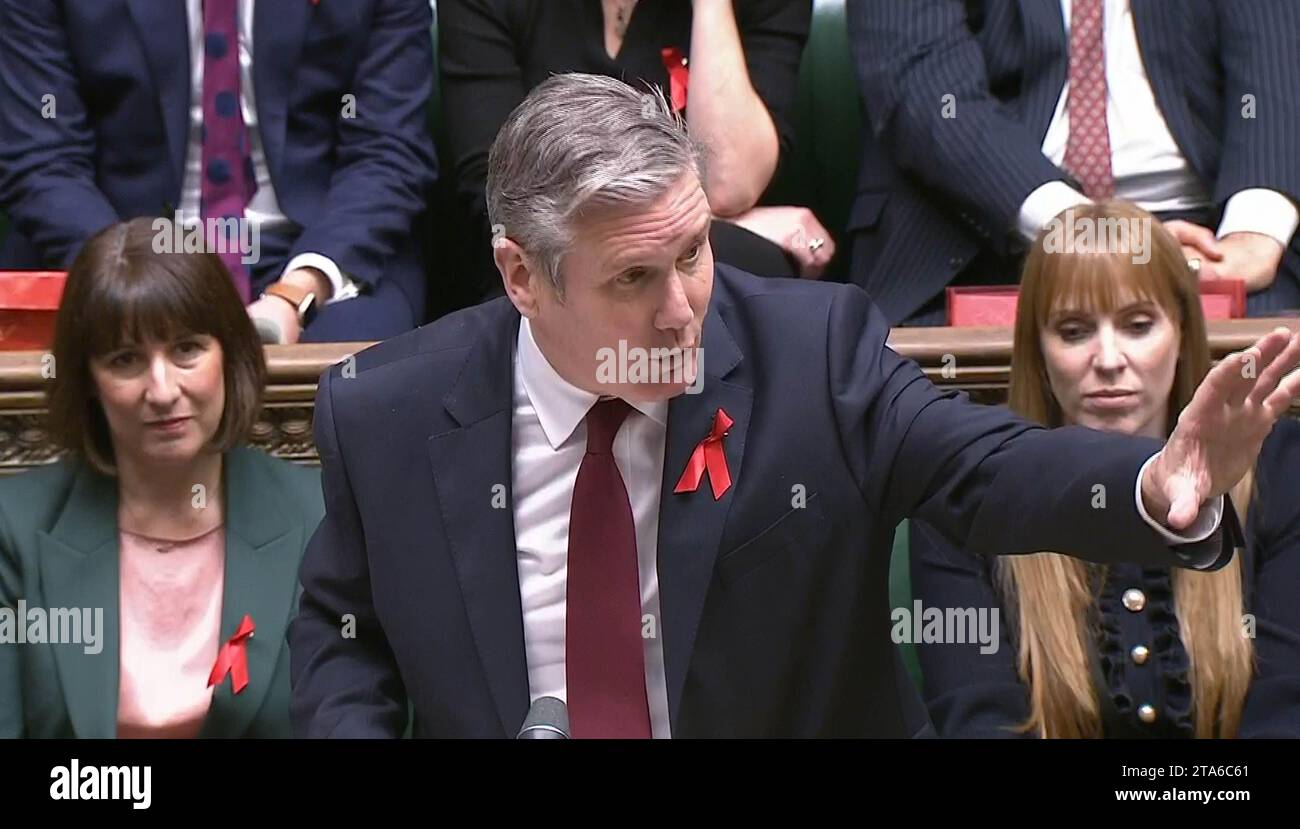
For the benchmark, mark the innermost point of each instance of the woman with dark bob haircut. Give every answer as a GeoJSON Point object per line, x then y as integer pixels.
{"type": "Point", "coordinates": [153, 570]}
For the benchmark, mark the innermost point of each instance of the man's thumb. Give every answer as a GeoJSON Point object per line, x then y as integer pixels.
{"type": "Point", "coordinates": [1184, 509]}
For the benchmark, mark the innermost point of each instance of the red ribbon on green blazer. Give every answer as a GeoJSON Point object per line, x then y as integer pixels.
{"type": "Point", "coordinates": [233, 658]}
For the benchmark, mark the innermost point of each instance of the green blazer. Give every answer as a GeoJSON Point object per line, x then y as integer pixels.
{"type": "Point", "coordinates": [59, 549]}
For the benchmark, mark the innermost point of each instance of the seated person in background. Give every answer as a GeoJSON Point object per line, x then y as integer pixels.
{"type": "Point", "coordinates": [989, 117]}
{"type": "Point", "coordinates": [304, 121]}
{"type": "Point", "coordinates": [1122, 650]}
{"type": "Point", "coordinates": [743, 67]}
{"type": "Point", "coordinates": [181, 539]}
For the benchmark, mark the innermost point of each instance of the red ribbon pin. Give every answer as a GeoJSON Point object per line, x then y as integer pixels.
{"type": "Point", "coordinates": [233, 658]}
{"type": "Point", "coordinates": [679, 77]}
{"type": "Point", "coordinates": [711, 456]}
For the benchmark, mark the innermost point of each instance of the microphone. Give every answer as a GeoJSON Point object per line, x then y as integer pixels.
{"type": "Point", "coordinates": [548, 719]}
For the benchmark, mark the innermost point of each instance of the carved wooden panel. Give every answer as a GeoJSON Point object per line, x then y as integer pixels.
{"type": "Point", "coordinates": [24, 441]}
{"type": "Point", "coordinates": [976, 360]}
{"type": "Point", "coordinates": [286, 432]}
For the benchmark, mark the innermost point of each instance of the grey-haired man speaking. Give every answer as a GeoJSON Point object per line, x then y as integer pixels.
{"type": "Point", "coordinates": [505, 522]}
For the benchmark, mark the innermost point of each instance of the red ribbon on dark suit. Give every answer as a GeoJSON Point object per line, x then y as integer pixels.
{"type": "Point", "coordinates": [710, 456]}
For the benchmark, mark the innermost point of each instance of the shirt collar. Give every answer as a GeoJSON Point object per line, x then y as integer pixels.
{"type": "Point", "coordinates": [559, 404]}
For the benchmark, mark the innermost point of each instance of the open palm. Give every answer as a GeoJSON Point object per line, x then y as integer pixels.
{"type": "Point", "coordinates": [1220, 432]}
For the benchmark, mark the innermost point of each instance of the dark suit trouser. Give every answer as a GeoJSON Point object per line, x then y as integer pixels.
{"type": "Point", "coordinates": [988, 268]}
{"type": "Point", "coordinates": [1282, 298]}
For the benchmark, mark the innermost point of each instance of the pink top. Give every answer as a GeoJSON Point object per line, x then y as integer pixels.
{"type": "Point", "coordinates": [170, 623]}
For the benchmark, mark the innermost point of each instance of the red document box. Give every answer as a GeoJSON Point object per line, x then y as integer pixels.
{"type": "Point", "coordinates": [982, 305]}
{"type": "Point", "coordinates": [29, 301]}
{"type": "Point", "coordinates": [1221, 299]}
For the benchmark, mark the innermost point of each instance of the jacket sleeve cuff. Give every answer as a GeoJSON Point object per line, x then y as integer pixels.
{"type": "Point", "coordinates": [1259, 210]}
{"type": "Point", "coordinates": [1206, 525]}
{"type": "Point", "coordinates": [344, 286]}
{"type": "Point", "coordinates": [1045, 204]}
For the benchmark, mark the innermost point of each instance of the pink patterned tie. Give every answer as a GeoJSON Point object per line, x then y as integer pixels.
{"type": "Point", "coordinates": [228, 179]}
{"type": "Point", "coordinates": [1087, 153]}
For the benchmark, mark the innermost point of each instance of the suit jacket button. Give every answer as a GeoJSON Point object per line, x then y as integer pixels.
{"type": "Point", "coordinates": [1134, 599]}
{"type": "Point", "coordinates": [1139, 654]}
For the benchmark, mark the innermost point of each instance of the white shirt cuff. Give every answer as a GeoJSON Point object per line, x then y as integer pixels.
{"type": "Point", "coordinates": [1202, 528]}
{"type": "Point", "coordinates": [1045, 204]}
{"type": "Point", "coordinates": [1259, 210]}
{"type": "Point", "coordinates": [344, 286]}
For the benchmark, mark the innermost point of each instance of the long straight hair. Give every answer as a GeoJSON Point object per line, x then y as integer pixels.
{"type": "Point", "coordinates": [1052, 597]}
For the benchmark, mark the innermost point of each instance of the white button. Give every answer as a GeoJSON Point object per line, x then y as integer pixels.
{"type": "Point", "coordinates": [1134, 599]}
{"type": "Point", "coordinates": [1147, 713]}
{"type": "Point", "coordinates": [1140, 654]}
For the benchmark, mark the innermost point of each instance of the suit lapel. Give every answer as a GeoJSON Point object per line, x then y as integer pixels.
{"type": "Point", "coordinates": [1047, 47]}
{"type": "Point", "coordinates": [691, 523]}
{"type": "Point", "coordinates": [1160, 37]}
{"type": "Point", "coordinates": [79, 561]}
{"type": "Point", "coordinates": [163, 29]}
{"type": "Point", "coordinates": [79, 569]}
{"type": "Point", "coordinates": [469, 461]}
{"type": "Point", "coordinates": [470, 465]}
{"type": "Point", "coordinates": [278, 32]}
{"type": "Point", "coordinates": [261, 580]}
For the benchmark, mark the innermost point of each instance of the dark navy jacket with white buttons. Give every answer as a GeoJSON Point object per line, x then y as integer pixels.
{"type": "Point", "coordinates": [1140, 666]}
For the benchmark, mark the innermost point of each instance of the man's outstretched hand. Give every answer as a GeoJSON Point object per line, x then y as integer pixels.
{"type": "Point", "coordinates": [1220, 432]}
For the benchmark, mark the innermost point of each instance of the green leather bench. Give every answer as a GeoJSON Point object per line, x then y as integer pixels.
{"type": "Point", "coordinates": [822, 174]}
{"type": "Point", "coordinates": [822, 171]}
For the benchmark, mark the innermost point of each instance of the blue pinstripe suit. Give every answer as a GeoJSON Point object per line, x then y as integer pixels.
{"type": "Point", "coordinates": [938, 197]}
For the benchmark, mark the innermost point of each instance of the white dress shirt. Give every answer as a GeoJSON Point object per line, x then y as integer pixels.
{"type": "Point", "coordinates": [550, 439]}
{"type": "Point", "coordinates": [1148, 165]}
{"type": "Point", "coordinates": [263, 210]}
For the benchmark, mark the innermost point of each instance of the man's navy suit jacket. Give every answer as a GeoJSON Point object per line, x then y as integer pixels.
{"type": "Point", "coordinates": [775, 610]}
{"type": "Point", "coordinates": [938, 184]}
{"type": "Point", "coordinates": [119, 74]}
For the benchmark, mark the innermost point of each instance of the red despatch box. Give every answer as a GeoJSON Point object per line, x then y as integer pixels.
{"type": "Point", "coordinates": [1221, 299]}
{"type": "Point", "coordinates": [29, 301]}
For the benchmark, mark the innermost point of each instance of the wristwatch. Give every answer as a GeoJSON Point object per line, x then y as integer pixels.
{"type": "Point", "coordinates": [303, 300]}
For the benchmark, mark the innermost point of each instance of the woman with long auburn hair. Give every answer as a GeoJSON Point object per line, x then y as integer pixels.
{"type": "Point", "coordinates": [1108, 340]}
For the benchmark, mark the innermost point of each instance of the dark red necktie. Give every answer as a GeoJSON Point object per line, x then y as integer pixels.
{"type": "Point", "coordinates": [604, 656]}
{"type": "Point", "coordinates": [1087, 151]}
{"type": "Point", "coordinates": [228, 178]}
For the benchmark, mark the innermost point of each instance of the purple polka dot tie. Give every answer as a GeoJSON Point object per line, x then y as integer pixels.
{"type": "Point", "coordinates": [1087, 152]}
{"type": "Point", "coordinates": [228, 179]}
